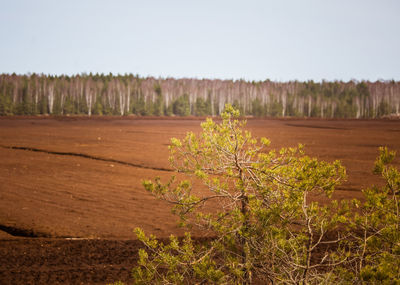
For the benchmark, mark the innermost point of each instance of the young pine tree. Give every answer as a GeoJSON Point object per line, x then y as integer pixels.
{"type": "Point", "coordinates": [257, 205]}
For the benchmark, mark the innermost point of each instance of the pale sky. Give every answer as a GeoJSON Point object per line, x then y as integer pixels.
{"type": "Point", "coordinates": [253, 40]}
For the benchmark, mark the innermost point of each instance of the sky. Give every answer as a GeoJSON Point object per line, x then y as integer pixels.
{"type": "Point", "coordinates": [226, 39]}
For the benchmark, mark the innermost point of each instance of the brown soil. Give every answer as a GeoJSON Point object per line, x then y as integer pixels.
{"type": "Point", "coordinates": [80, 178]}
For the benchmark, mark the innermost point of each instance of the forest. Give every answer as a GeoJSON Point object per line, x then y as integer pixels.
{"type": "Point", "coordinates": [100, 94]}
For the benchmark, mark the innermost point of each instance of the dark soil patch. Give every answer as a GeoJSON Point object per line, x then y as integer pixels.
{"type": "Point", "coordinates": [19, 232]}
{"type": "Point", "coordinates": [46, 261]}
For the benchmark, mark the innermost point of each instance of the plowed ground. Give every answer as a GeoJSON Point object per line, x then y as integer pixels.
{"type": "Point", "coordinates": [71, 194]}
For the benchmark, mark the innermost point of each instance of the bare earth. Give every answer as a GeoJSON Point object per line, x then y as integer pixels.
{"type": "Point", "coordinates": [71, 194]}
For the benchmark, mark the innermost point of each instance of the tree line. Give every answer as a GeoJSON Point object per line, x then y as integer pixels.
{"type": "Point", "coordinates": [101, 94]}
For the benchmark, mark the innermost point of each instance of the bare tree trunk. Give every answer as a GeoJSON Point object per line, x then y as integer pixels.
{"type": "Point", "coordinates": [121, 99]}
{"type": "Point", "coordinates": [62, 102]}
{"type": "Point", "coordinates": [284, 99]}
{"type": "Point", "coordinates": [88, 96]}
{"type": "Point", "coordinates": [50, 97]}
{"type": "Point", "coordinates": [128, 99]}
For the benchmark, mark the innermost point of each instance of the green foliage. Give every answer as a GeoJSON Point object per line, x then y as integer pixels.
{"type": "Point", "coordinates": [83, 107]}
{"type": "Point", "coordinates": [236, 105]}
{"type": "Point", "coordinates": [43, 105]}
{"type": "Point", "coordinates": [149, 108]}
{"type": "Point", "coordinates": [178, 262]}
{"type": "Point", "coordinates": [159, 103]}
{"type": "Point", "coordinates": [159, 106]}
{"type": "Point", "coordinates": [25, 107]}
{"type": "Point", "coordinates": [266, 228]}
{"type": "Point", "coordinates": [98, 106]}
{"type": "Point", "coordinates": [257, 108]}
{"type": "Point", "coordinates": [57, 110]}
{"type": "Point", "coordinates": [383, 109]}
{"type": "Point", "coordinates": [181, 106]}
{"type": "Point", "coordinates": [275, 110]}
{"type": "Point", "coordinates": [5, 105]}
{"type": "Point", "coordinates": [202, 107]}
{"type": "Point", "coordinates": [69, 107]}
{"type": "Point", "coordinates": [139, 106]}
{"type": "Point", "coordinates": [376, 227]}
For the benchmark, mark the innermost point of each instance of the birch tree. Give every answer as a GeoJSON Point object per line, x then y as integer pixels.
{"type": "Point", "coordinates": [89, 96]}
{"type": "Point", "coordinates": [50, 97]}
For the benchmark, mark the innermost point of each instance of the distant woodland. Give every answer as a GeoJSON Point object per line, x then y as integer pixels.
{"type": "Point", "coordinates": [94, 94]}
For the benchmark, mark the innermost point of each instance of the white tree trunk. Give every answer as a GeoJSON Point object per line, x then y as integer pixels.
{"type": "Point", "coordinates": [50, 98]}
